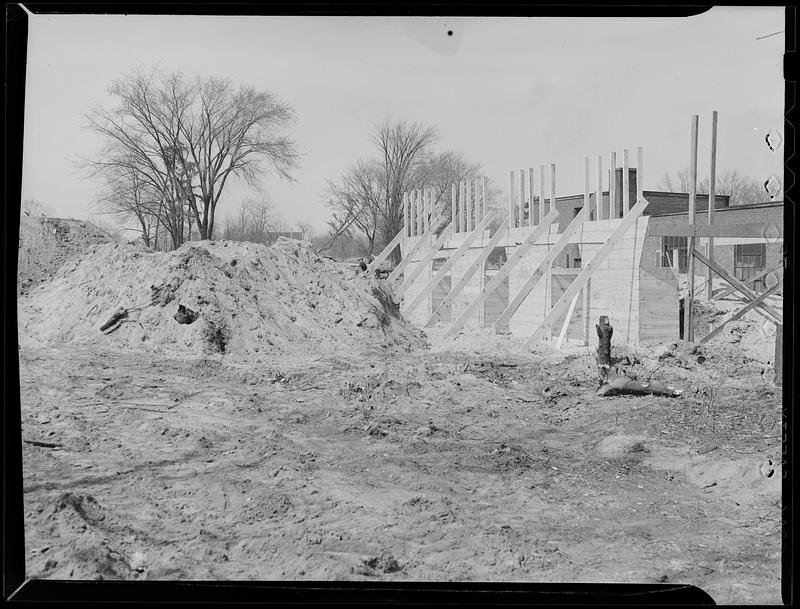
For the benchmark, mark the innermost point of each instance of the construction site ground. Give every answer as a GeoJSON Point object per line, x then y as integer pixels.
{"type": "Point", "coordinates": [469, 460]}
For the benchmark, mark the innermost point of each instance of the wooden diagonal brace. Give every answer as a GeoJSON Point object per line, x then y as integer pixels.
{"type": "Point", "coordinates": [423, 264]}
{"type": "Point", "coordinates": [591, 266]}
{"type": "Point", "coordinates": [552, 254]}
{"type": "Point", "coordinates": [730, 289]}
{"type": "Point", "coordinates": [454, 257]}
{"type": "Point", "coordinates": [512, 261]}
{"type": "Point", "coordinates": [387, 250]}
{"type": "Point", "coordinates": [478, 263]}
{"type": "Point", "coordinates": [416, 248]}
{"type": "Point", "coordinates": [714, 266]}
{"type": "Point", "coordinates": [751, 305]}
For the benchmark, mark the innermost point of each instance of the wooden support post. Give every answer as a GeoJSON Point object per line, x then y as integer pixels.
{"type": "Point", "coordinates": [405, 211]}
{"type": "Point", "coordinates": [521, 211]}
{"type": "Point", "coordinates": [512, 261]}
{"type": "Point", "coordinates": [553, 187]}
{"type": "Point", "coordinates": [712, 189]}
{"type": "Point", "coordinates": [626, 183]}
{"type": "Point", "coordinates": [612, 188]}
{"type": "Point", "coordinates": [586, 195]}
{"type": "Point", "coordinates": [587, 289]}
{"type": "Point", "coordinates": [588, 269]}
{"type": "Point", "coordinates": [535, 213]}
{"type": "Point", "coordinates": [639, 174]}
{"type": "Point", "coordinates": [512, 215]}
{"type": "Point", "coordinates": [421, 242]}
{"type": "Point", "coordinates": [464, 206]}
{"type": "Point", "coordinates": [676, 262]}
{"type": "Point", "coordinates": [598, 191]}
{"type": "Point", "coordinates": [471, 270]}
{"type": "Point", "coordinates": [471, 206]}
{"type": "Point", "coordinates": [779, 355]}
{"type": "Point", "coordinates": [453, 203]}
{"type": "Point", "coordinates": [423, 263]}
{"type": "Point", "coordinates": [415, 212]}
{"type": "Point", "coordinates": [688, 329]}
{"type": "Point", "coordinates": [542, 205]}
{"type": "Point", "coordinates": [543, 267]}
{"type": "Point", "coordinates": [484, 189]}
{"type": "Point", "coordinates": [748, 307]}
{"type": "Point", "coordinates": [563, 334]}
{"type": "Point", "coordinates": [741, 287]}
{"type": "Point", "coordinates": [445, 268]}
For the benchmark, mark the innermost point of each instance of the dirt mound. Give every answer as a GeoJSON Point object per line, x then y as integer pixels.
{"type": "Point", "coordinates": [216, 297]}
{"type": "Point", "coordinates": [45, 244]}
{"type": "Point", "coordinates": [752, 334]}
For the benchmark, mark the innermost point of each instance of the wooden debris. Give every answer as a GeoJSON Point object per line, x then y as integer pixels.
{"type": "Point", "coordinates": [114, 321]}
{"type": "Point", "coordinates": [620, 385]}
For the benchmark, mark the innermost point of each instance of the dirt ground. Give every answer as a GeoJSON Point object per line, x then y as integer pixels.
{"type": "Point", "coordinates": [471, 460]}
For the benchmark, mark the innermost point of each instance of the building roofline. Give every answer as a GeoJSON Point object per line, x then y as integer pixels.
{"type": "Point", "coordinates": [724, 209]}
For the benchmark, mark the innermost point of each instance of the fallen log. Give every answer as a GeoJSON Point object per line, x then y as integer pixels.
{"type": "Point", "coordinates": [115, 319]}
{"type": "Point", "coordinates": [620, 385]}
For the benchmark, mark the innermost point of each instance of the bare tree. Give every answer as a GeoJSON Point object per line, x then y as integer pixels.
{"type": "Point", "coordinates": [440, 171]}
{"type": "Point", "coordinates": [185, 139]}
{"type": "Point", "coordinates": [255, 221]}
{"type": "Point", "coordinates": [741, 189]}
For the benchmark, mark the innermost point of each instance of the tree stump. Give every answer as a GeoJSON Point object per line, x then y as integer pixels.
{"type": "Point", "coordinates": [604, 333]}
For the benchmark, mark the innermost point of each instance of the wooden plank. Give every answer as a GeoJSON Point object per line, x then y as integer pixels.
{"type": "Point", "coordinates": [454, 257]}
{"type": "Point", "coordinates": [478, 263]}
{"type": "Point", "coordinates": [712, 202]}
{"type": "Point", "coordinates": [563, 334]}
{"type": "Point", "coordinates": [512, 215]}
{"type": "Point", "coordinates": [751, 305]}
{"type": "Point", "coordinates": [587, 270]}
{"type": "Point", "coordinates": [484, 190]}
{"type": "Point", "coordinates": [744, 231]}
{"type": "Point", "coordinates": [463, 207]}
{"type": "Point", "coordinates": [421, 242]}
{"type": "Point", "coordinates": [688, 314]}
{"type": "Point", "coordinates": [423, 263]}
{"type": "Point", "coordinates": [387, 250]}
{"type": "Point", "coordinates": [552, 187]}
{"type": "Point", "coordinates": [741, 287]}
{"type": "Point", "coordinates": [519, 253]}
{"type": "Point", "coordinates": [626, 183]}
{"type": "Point", "coordinates": [521, 210]}
{"type": "Point", "coordinates": [598, 191]}
{"type": "Point", "coordinates": [539, 271]}
{"type": "Point", "coordinates": [730, 289]}
{"type": "Point", "coordinates": [542, 205]}
{"type": "Point", "coordinates": [612, 187]}
{"type": "Point", "coordinates": [639, 173]}
{"type": "Point", "coordinates": [453, 203]}
{"type": "Point", "coordinates": [534, 218]}
{"type": "Point", "coordinates": [586, 172]}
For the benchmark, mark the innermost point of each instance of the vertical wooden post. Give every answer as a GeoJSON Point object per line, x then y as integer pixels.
{"type": "Point", "coordinates": [586, 301]}
{"type": "Point", "coordinates": [552, 187]}
{"type": "Point", "coordinates": [542, 206]}
{"type": "Point", "coordinates": [484, 188]}
{"type": "Point", "coordinates": [712, 189]}
{"type": "Point", "coordinates": [639, 174]}
{"type": "Point", "coordinates": [453, 196]}
{"type": "Point", "coordinates": [779, 355]}
{"type": "Point", "coordinates": [586, 195]}
{"type": "Point", "coordinates": [470, 205]}
{"type": "Point", "coordinates": [412, 204]}
{"type": "Point", "coordinates": [626, 183]}
{"type": "Point", "coordinates": [521, 211]}
{"type": "Point", "coordinates": [688, 331]}
{"type": "Point", "coordinates": [511, 211]}
{"type": "Point", "coordinates": [598, 191]}
{"type": "Point", "coordinates": [535, 219]}
{"type": "Point", "coordinates": [405, 214]}
{"type": "Point", "coordinates": [612, 188]}
{"type": "Point", "coordinates": [676, 261]}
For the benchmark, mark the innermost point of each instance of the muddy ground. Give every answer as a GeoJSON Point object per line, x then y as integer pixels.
{"type": "Point", "coordinates": [440, 464]}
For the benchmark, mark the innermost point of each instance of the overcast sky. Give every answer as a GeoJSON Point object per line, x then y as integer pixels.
{"type": "Point", "coordinates": [509, 93]}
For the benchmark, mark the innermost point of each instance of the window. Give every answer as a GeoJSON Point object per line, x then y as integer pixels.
{"type": "Point", "coordinates": [749, 260]}
{"type": "Point", "coordinates": [576, 263]}
{"type": "Point", "coordinates": [577, 211]}
{"type": "Point", "coordinates": [668, 247]}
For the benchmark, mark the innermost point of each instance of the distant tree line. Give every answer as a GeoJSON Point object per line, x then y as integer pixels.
{"type": "Point", "coordinates": [171, 144]}
{"type": "Point", "coordinates": [741, 189]}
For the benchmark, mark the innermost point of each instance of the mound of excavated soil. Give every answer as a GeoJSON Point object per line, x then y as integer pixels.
{"type": "Point", "coordinates": [219, 297]}
{"type": "Point", "coordinates": [751, 334]}
{"type": "Point", "coordinates": [45, 244]}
